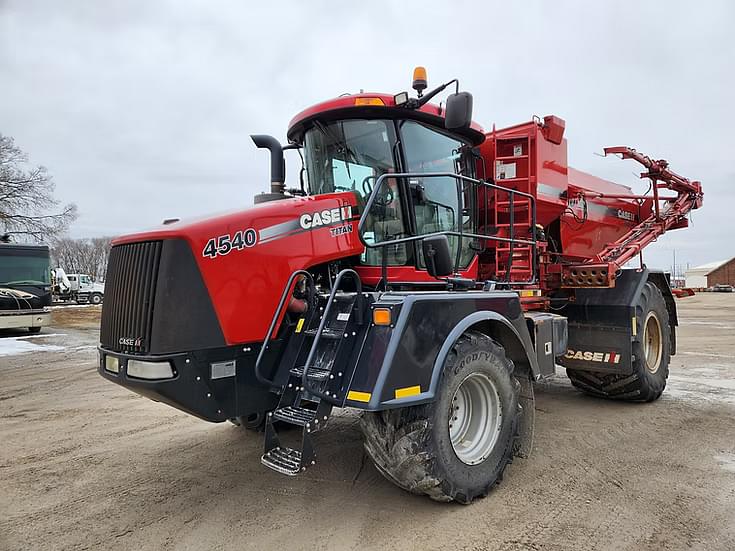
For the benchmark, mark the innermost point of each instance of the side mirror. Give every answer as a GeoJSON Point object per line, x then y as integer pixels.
{"type": "Point", "coordinates": [437, 255]}
{"type": "Point", "coordinates": [459, 111]}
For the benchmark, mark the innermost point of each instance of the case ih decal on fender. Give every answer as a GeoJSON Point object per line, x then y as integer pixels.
{"type": "Point", "coordinates": [326, 217]}
{"type": "Point", "coordinates": [225, 244]}
{"type": "Point", "coordinates": [588, 356]}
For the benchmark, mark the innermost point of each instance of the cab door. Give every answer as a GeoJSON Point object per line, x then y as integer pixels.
{"type": "Point", "coordinates": [434, 202]}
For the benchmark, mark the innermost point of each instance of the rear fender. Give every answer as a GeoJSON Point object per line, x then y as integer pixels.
{"type": "Point", "coordinates": [660, 281]}
{"type": "Point", "coordinates": [602, 323]}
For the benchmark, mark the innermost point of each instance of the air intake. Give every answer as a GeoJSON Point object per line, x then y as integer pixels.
{"type": "Point", "coordinates": [130, 288]}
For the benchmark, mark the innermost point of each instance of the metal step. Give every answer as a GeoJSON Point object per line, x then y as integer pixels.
{"type": "Point", "coordinates": [283, 460]}
{"type": "Point", "coordinates": [327, 333]}
{"type": "Point", "coordinates": [295, 415]}
{"type": "Point", "coordinates": [314, 374]}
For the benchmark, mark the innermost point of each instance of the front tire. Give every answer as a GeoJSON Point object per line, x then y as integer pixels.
{"type": "Point", "coordinates": [95, 299]}
{"type": "Point", "coordinates": [456, 447]}
{"type": "Point", "coordinates": [651, 350]}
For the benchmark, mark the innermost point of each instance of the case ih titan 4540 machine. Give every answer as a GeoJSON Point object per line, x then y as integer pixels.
{"type": "Point", "coordinates": [426, 272]}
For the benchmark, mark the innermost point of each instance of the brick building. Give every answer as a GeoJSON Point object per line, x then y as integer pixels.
{"type": "Point", "coordinates": [723, 274]}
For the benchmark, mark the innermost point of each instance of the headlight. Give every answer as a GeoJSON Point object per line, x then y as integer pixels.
{"type": "Point", "coordinates": [149, 370]}
{"type": "Point", "coordinates": [112, 364]}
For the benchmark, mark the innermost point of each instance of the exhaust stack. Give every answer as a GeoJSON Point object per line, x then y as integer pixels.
{"type": "Point", "coordinates": [278, 167]}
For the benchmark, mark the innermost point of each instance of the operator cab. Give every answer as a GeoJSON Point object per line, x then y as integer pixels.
{"type": "Point", "coordinates": [355, 143]}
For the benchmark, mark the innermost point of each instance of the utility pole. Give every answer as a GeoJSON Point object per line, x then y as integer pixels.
{"type": "Point", "coordinates": [674, 270]}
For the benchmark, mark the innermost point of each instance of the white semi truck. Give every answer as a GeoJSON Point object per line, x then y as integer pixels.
{"type": "Point", "coordinates": [80, 288]}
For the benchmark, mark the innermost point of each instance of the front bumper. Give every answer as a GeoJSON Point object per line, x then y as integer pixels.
{"type": "Point", "coordinates": [21, 319]}
{"type": "Point", "coordinates": [201, 385]}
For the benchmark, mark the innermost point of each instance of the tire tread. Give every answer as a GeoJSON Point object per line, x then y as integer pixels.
{"type": "Point", "coordinates": [396, 440]}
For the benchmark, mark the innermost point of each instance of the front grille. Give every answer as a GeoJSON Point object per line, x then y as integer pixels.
{"type": "Point", "coordinates": [130, 286]}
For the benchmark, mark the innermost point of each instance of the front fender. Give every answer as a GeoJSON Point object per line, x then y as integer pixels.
{"type": "Point", "coordinates": [401, 365]}
{"type": "Point", "coordinates": [488, 322]}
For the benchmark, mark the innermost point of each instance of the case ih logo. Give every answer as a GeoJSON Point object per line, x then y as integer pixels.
{"type": "Point", "coordinates": [135, 342]}
{"type": "Point", "coordinates": [589, 356]}
{"type": "Point", "coordinates": [625, 215]}
{"type": "Point", "coordinates": [325, 217]}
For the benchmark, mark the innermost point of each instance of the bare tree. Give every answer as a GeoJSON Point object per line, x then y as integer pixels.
{"type": "Point", "coordinates": [82, 256]}
{"type": "Point", "coordinates": [27, 204]}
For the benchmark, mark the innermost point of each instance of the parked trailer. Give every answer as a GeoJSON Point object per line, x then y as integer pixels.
{"type": "Point", "coordinates": [426, 272]}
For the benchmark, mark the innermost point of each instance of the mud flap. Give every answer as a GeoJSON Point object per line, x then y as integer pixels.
{"type": "Point", "coordinates": [602, 324]}
{"type": "Point", "coordinates": [604, 348]}
{"type": "Point", "coordinates": [527, 402]}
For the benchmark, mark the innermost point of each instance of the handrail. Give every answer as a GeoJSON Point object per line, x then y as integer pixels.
{"type": "Point", "coordinates": [286, 293]}
{"type": "Point", "coordinates": [322, 323]}
{"type": "Point", "coordinates": [459, 178]}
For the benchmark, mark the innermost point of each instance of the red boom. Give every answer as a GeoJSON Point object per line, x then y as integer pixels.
{"type": "Point", "coordinates": [672, 215]}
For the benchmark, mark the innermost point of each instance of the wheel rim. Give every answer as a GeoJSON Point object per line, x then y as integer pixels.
{"type": "Point", "coordinates": [652, 342]}
{"type": "Point", "coordinates": [475, 419]}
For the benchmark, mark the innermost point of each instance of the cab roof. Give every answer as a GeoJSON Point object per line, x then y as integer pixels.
{"type": "Point", "coordinates": [375, 106]}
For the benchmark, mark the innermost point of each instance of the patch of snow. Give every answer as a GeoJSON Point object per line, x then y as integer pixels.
{"type": "Point", "coordinates": [726, 461]}
{"type": "Point", "coordinates": [725, 356]}
{"type": "Point", "coordinates": [717, 324]}
{"type": "Point", "coordinates": [15, 346]}
{"type": "Point", "coordinates": [65, 306]}
{"type": "Point", "coordinates": [41, 336]}
{"type": "Point", "coordinates": [728, 384]}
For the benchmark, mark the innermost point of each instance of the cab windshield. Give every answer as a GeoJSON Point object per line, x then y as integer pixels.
{"type": "Point", "coordinates": [348, 155]}
{"type": "Point", "coordinates": [20, 268]}
{"type": "Point", "coordinates": [351, 155]}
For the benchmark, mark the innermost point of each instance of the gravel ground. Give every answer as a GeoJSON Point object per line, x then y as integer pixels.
{"type": "Point", "coordinates": [85, 464]}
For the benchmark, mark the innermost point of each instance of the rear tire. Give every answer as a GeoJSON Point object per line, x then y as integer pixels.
{"type": "Point", "coordinates": [652, 351]}
{"type": "Point", "coordinates": [456, 447]}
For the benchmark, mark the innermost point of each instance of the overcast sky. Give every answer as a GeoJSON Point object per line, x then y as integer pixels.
{"type": "Point", "coordinates": [142, 110]}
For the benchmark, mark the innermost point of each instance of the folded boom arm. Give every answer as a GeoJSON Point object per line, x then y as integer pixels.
{"type": "Point", "coordinates": [671, 215]}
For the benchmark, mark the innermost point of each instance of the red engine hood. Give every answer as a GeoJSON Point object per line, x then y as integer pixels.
{"type": "Point", "coordinates": [267, 243]}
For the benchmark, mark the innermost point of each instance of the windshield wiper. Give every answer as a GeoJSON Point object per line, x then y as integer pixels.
{"type": "Point", "coordinates": [24, 282]}
{"type": "Point", "coordinates": [340, 140]}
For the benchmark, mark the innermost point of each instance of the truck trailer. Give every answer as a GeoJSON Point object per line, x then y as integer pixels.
{"type": "Point", "coordinates": [425, 271]}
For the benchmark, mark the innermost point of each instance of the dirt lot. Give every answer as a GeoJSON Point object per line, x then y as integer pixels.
{"type": "Point", "coordinates": [85, 464]}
